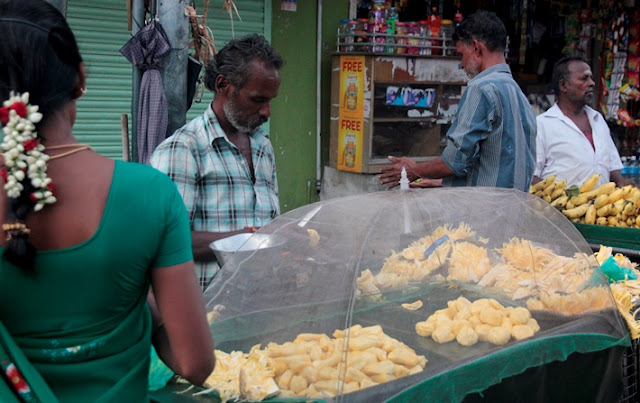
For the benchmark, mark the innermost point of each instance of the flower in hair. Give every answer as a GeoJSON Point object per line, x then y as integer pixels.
{"type": "Point", "coordinates": [24, 157]}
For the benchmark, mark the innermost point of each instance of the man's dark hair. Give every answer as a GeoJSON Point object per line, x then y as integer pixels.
{"type": "Point", "coordinates": [484, 27]}
{"type": "Point", "coordinates": [561, 70]}
{"type": "Point", "coordinates": [234, 60]}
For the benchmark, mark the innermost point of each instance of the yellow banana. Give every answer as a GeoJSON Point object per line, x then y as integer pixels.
{"type": "Point", "coordinates": [638, 221]}
{"type": "Point", "coordinates": [631, 221]}
{"type": "Point", "coordinates": [546, 198]}
{"type": "Point", "coordinates": [616, 195]}
{"type": "Point", "coordinates": [634, 195]}
{"type": "Point", "coordinates": [613, 222]}
{"type": "Point", "coordinates": [590, 215]}
{"type": "Point", "coordinates": [592, 194]}
{"type": "Point", "coordinates": [576, 212]}
{"type": "Point", "coordinates": [615, 209]}
{"type": "Point", "coordinates": [589, 183]}
{"type": "Point", "coordinates": [557, 193]}
{"type": "Point", "coordinates": [622, 224]}
{"type": "Point", "coordinates": [601, 201]}
{"type": "Point", "coordinates": [629, 208]}
{"type": "Point", "coordinates": [602, 221]}
{"type": "Point", "coordinates": [556, 187]}
{"type": "Point", "coordinates": [569, 205]}
{"type": "Point", "coordinates": [606, 188]}
{"type": "Point", "coordinates": [579, 200]}
{"type": "Point", "coordinates": [544, 183]}
{"type": "Point", "coordinates": [549, 189]}
{"type": "Point", "coordinates": [628, 189]}
{"type": "Point", "coordinates": [603, 211]}
{"type": "Point", "coordinates": [560, 202]}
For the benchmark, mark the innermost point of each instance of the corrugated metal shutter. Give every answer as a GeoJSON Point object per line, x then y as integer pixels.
{"type": "Point", "coordinates": [256, 18]}
{"type": "Point", "coordinates": [101, 30]}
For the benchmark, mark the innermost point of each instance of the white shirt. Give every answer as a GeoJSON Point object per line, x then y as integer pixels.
{"type": "Point", "coordinates": [563, 150]}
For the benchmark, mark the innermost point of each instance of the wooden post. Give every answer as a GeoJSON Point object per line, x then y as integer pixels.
{"type": "Point", "coordinates": [124, 123]}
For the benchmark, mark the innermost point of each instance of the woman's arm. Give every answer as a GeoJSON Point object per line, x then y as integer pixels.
{"type": "Point", "coordinates": [182, 336]}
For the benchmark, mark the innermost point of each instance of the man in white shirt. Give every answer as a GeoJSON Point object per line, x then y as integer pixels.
{"type": "Point", "coordinates": [574, 141]}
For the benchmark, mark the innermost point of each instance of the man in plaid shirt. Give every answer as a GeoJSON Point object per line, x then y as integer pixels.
{"type": "Point", "coordinates": [222, 161]}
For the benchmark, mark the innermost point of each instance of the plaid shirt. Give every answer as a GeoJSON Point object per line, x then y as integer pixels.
{"type": "Point", "coordinates": [214, 180]}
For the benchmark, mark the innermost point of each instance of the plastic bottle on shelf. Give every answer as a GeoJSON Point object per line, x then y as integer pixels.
{"type": "Point", "coordinates": [390, 40]}
{"type": "Point", "coordinates": [350, 40]}
{"type": "Point", "coordinates": [377, 15]}
{"type": "Point", "coordinates": [413, 31]}
{"type": "Point", "coordinates": [361, 30]}
{"type": "Point", "coordinates": [379, 38]}
{"type": "Point", "coordinates": [393, 15]}
{"type": "Point", "coordinates": [458, 17]}
{"type": "Point", "coordinates": [446, 32]}
{"type": "Point", "coordinates": [401, 29]}
{"type": "Point", "coordinates": [435, 21]}
{"type": "Point", "coordinates": [425, 40]}
{"type": "Point", "coordinates": [345, 36]}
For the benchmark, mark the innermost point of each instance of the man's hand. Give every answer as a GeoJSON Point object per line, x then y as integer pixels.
{"type": "Point", "coordinates": [390, 175]}
{"type": "Point", "coordinates": [626, 181]}
{"type": "Point", "coordinates": [426, 183]}
{"type": "Point", "coordinates": [616, 176]}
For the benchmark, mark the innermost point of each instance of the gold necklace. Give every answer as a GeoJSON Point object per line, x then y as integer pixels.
{"type": "Point", "coordinates": [79, 147]}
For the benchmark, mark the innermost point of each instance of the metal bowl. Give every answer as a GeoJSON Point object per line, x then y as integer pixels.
{"type": "Point", "coordinates": [244, 244]}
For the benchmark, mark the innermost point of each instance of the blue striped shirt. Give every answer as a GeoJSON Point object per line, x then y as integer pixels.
{"type": "Point", "coordinates": [214, 180]}
{"type": "Point", "coordinates": [492, 140]}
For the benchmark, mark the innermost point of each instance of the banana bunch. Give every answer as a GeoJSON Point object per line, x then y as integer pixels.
{"type": "Point", "coordinates": [605, 205]}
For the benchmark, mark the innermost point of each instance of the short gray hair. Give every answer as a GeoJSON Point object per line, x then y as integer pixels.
{"type": "Point", "coordinates": [235, 57]}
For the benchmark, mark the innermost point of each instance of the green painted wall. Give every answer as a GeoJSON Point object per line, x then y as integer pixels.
{"type": "Point", "coordinates": [293, 112]}
{"type": "Point", "coordinates": [333, 12]}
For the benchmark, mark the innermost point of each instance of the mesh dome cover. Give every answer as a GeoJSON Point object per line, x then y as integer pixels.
{"type": "Point", "coordinates": [355, 261]}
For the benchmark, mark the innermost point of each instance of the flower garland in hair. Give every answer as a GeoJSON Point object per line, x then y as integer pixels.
{"type": "Point", "coordinates": [24, 155]}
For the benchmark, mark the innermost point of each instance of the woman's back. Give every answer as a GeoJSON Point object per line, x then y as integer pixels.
{"type": "Point", "coordinates": [84, 312]}
{"type": "Point", "coordinates": [84, 236]}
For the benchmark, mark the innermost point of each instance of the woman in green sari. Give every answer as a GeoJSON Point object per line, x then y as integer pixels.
{"type": "Point", "coordinates": [85, 238]}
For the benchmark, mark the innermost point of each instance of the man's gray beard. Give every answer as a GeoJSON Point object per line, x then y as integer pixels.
{"type": "Point", "coordinates": [233, 117]}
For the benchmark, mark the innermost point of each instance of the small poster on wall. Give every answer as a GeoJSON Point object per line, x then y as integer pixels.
{"type": "Point", "coordinates": [350, 144]}
{"type": "Point", "coordinates": [289, 5]}
{"type": "Point", "coordinates": [351, 113]}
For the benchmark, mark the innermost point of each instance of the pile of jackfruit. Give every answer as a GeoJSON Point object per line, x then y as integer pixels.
{"type": "Point", "coordinates": [606, 204]}
{"type": "Point", "coordinates": [484, 319]}
{"type": "Point", "coordinates": [313, 365]}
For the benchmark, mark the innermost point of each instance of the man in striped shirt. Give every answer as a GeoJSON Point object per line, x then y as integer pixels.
{"type": "Point", "coordinates": [492, 139]}
{"type": "Point", "coordinates": [222, 162]}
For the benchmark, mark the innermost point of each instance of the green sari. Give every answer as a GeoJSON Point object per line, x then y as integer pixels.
{"type": "Point", "coordinates": [20, 380]}
{"type": "Point", "coordinates": [82, 319]}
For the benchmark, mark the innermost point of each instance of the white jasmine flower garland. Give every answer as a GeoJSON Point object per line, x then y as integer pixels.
{"type": "Point", "coordinates": [24, 156]}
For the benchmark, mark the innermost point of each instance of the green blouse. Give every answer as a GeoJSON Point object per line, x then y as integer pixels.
{"type": "Point", "coordinates": [82, 320]}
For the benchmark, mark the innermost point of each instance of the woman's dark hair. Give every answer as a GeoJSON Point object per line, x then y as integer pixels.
{"type": "Point", "coordinates": [484, 27]}
{"type": "Point", "coordinates": [235, 58]}
{"type": "Point", "coordinates": [39, 55]}
{"type": "Point", "coordinates": [561, 70]}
